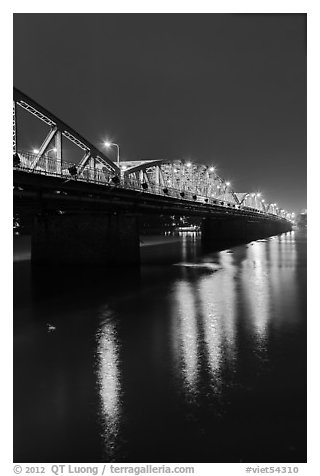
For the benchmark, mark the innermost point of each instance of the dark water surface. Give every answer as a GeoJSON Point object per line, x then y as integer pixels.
{"type": "Point", "coordinates": [195, 358]}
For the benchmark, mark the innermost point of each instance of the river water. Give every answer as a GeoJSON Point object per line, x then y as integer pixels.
{"type": "Point", "coordinates": [194, 358]}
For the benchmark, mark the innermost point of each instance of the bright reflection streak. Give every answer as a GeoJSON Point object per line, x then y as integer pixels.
{"type": "Point", "coordinates": [283, 278]}
{"type": "Point", "coordinates": [227, 301]}
{"type": "Point", "coordinates": [184, 246]}
{"type": "Point", "coordinates": [211, 323]}
{"type": "Point", "coordinates": [185, 335]}
{"type": "Point", "coordinates": [217, 294]}
{"type": "Point", "coordinates": [109, 380]}
{"type": "Point", "coordinates": [255, 280]}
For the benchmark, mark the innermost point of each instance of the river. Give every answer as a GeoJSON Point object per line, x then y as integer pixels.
{"type": "Point", "coordinates": [194, 358]}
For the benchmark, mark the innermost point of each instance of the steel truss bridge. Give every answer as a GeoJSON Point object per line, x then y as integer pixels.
{"type": "Point", "coordinates": [179, 184]}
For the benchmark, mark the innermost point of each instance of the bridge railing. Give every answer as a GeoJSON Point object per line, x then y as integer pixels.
{"type": "Point", "coordinates": [48, 165]}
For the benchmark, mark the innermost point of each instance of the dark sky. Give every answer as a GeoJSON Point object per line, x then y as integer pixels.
{"type": "Point", "coordinates": [220, 89]}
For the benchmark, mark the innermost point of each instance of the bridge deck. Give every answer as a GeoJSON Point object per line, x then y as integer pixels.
{"type": "Point", "coordinates": [60, 193]}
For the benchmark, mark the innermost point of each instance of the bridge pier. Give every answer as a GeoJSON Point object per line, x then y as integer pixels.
{"type": "Point", "coordinates": [85, 239]}
{"type": "Point", "coordinates": [216, 231]}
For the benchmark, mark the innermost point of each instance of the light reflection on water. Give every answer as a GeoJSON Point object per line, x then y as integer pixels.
{"type": "Point", "coordinates": [186, 335]}
{"type": "Point", "coordinates": [109, 380]}
{"type": "Point", "coordinates": [283, 279]}
{"type": "Point", "coordinates": [217, 305]}
{"type": "Point", "coordinates": [197, 348]}
{"type": "Point", "coordinates": [255, 279]}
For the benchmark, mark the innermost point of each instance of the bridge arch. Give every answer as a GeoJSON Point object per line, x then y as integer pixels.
{"type": "Point", "coordinates": [180, 178]}
{"type": "Point", "coordinates": [253, 200]}
{"type": "Point", "coordinates": [176, 177]}
{"type": "Point", "coordinates": [93, 161]}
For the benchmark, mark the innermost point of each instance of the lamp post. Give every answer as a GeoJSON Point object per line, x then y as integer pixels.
{"type": "Point", "coordinates": [54, 149]}
{"type": "Point", "coordinates": [108, 145]}
{"type": "Point", "coordinates": [258, 202]}
{"type": "Point", "coordinates": [252, 202]}
{"type": "Point", "coordinates": [226, 189]}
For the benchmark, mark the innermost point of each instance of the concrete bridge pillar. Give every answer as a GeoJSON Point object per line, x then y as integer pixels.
{"type": "Point", "coordinates": [85, 239]}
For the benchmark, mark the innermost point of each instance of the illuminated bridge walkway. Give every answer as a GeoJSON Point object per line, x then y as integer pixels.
{"type": "Point", "coordinates": [86, 210]}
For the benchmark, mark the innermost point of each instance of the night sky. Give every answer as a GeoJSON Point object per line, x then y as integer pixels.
{"type": "Point", "coordinates": [222, 89]}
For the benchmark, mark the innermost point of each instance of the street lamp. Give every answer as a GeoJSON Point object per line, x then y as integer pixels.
{"type": "Point", "coordinates": [54, 149]}
{"type": "Point", "coordinates": [109, 144]}
{"type": "Point", "coordinates": [36, 151]}
{"type": "Point", "coordinates": [227, 184]}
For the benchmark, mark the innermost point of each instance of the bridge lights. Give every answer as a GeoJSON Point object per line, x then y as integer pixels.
{"type": "Point", "coordinates": [36, 151]}
{"type": "Point", "coordinates": [108, 144]}
{"type": "Point", "coordinates": [228, 184]}
{"type": "Point", "coordinates": [188, 164]}
{"type": "Point", "coordinates": [211, 169]}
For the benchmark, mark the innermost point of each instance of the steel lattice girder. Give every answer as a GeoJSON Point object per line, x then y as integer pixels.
{"type": "Point", "coordinates": [179, 175]}
{"type": "Point", "coordinates": [58, 126]}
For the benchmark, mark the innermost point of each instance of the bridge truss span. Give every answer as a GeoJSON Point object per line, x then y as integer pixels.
{"type": "Point", "coordinates": [181, 179]}
{"type": "Point", "coordinates": [178, 181]}
{"type": "Point", "coordinates": [92, 163]}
